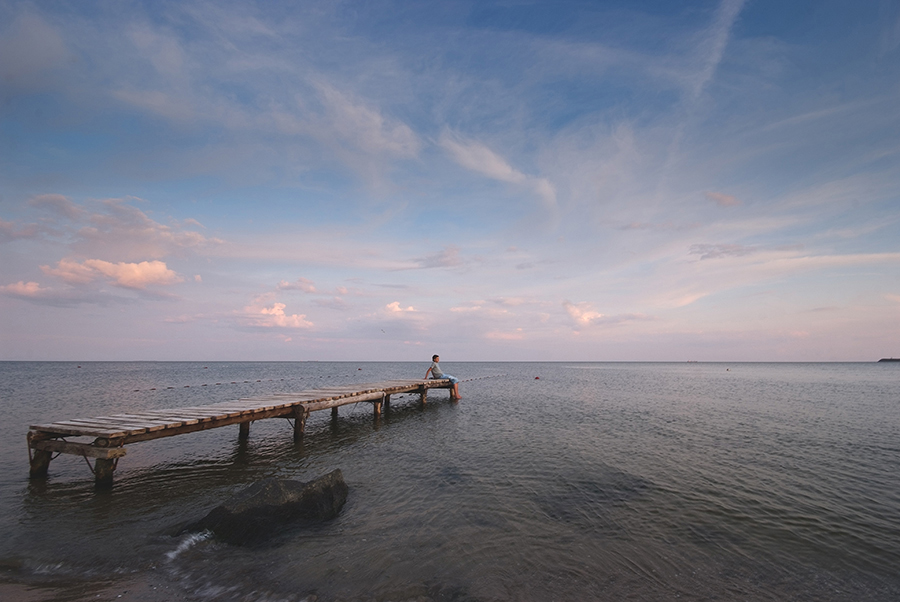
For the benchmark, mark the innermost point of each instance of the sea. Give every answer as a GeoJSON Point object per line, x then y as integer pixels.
{"type": "Point", "coordinates": [547, 481]}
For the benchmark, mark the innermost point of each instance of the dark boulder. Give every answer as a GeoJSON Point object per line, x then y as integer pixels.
{"type": "Point", "coordinates": [253, 515]}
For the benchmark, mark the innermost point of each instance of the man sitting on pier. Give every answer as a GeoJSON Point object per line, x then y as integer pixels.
{"type": "Point", "coordinates": [436, 372]}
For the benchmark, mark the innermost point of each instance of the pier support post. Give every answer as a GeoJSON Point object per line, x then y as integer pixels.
{"type": "Point", "coordinates": [334, 413]}
{"type": "Point", "coordinates": [39, 459]}
{"type": "Point", "coordinates": [377, 407]}
{"type": "Point", "coordinates": [387, 402]}
{"type": "Point", "coordinates": [40, 463]}
{"type": "Point", "coordinates": [103, 472]}
{"type": "Point", "coordinates": [423, 395]}
{"type": "Point", "coordinates": [244, 432]}
{"type": "Point", "coordinates": [300, 416]}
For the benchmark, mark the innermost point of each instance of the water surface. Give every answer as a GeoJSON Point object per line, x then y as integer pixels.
{"type": "Point", "coordinates": [603, 481]}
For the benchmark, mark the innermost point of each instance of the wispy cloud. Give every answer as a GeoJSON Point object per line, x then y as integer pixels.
{"type": "Point", "coordinates": [721, 199]}
{"type": "Point", "coordinates": [477, 157]}
{"type": "Point", "coordinates": [11, 231]}
{"type": "Point", "coordinates": [301, 284]}
{"type": "Point", "coordinates": [57, 203]}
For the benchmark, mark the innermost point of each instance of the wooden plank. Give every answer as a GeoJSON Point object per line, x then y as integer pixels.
{"type": "Point", "coordinates": [111, 424]}
{"type": "Point", "coordinates": [156, 418]}
{"type": "Point", "coordinates": [202, 426]}
{"type": "Point", "coordinates": [106, 420]}
{"type": "Point", "coordinates": [150, 425]}
{"type": "Point", "coordinates": [76, 431]}
{"type": "Point", "coordinates": [79, 449]}
{"type": "Point", "coordinates": [88, 424]}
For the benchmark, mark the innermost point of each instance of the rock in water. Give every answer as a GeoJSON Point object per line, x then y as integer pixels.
{"type": "Point", "coordinates": [257, 512]}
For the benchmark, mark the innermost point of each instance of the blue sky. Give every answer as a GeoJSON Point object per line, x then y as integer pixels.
{"type": "Point", "coordinates": [485, 180]}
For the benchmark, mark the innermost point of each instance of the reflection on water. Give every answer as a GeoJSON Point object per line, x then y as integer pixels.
{"type": "Point", "coordinates": [598, 481]}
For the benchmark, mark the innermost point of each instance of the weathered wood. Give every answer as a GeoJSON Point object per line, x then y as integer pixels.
{"type": "Point", "coordinates": [79, 449]}
{"type": "Point", "coordinates": [103, 472]}
{"type": "Point", "coordinates": [40, 463]}
{"type": "Point", "coordinates": [59, 429]}
{"type": "Point", "coordinates": [300, 415]}
{"type": "Point", "coordinates": [206, 425]}
{"type": "Point", "coordinates": [111, 432]}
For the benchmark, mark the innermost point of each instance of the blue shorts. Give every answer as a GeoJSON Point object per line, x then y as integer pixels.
{"type": "Point", "coordinates": [453, 379]}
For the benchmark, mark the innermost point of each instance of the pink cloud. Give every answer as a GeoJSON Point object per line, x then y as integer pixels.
{"type": "Point", "coordinates": [125, 231]}
{"type": "Point", "coordinates": [57, 203]}
{"type": "Point", "coordinates": [582, 313]}
{"type": "Point", "coordinates": [301, 284]}
{"type": "Point", "coordinates": [28, 290]}
{"type": "Point", "coordinates": [127, 275]}
{"type": "Point", "coordinates": [395, 308]}
{"type": "Point", "coordinates": [722, 199]}
{"type": "Point", "coordinates": [274, 317]}
{"type": "Point", "coordinates": [10, 231]}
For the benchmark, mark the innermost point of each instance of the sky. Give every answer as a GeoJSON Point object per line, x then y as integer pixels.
{"type": "Point", "coordinates": [628, 180]}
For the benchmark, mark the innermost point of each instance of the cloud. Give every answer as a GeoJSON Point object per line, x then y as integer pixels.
{"type": "Point", "coordinates": [709, 251]}
{"type": "Point", "coordinates": [66, 297]}
{"type": "Point", "coordinates": [446, 258]}
{"type": "Point", "coordinates": [366, 128]}
{"type": "Point", "coordinates": [713, 48]}
{"type": "Point", "coordinates": [721, 199]}
{"type": "Point", "coordinates": [58, 204]}
{"type": "Point", "coordinates": [395, 308]}
{"type": "Point", "coordinates": [301, 284]}
{"type": "Point", "coordinates": [260, 316]}
{"type": "Point", "coordinates": [582, 313]}
{"type": "Point", "coordinates": [127, 232]}
{"type": "Point", "coordinates": [136, 276]}
{"type": "Point", "coordinates": [477, 157]}
{"type": "Point", "coordinates": [10, 231]}
{"type": "Point", "coordinates": [26, 290]}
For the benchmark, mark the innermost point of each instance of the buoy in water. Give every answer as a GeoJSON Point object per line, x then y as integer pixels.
{"type": "Point", "coordinates": [537, 378]}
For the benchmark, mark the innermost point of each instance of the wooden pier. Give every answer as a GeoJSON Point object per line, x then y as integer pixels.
{"type": "Point", "coordinates": [111, 433]}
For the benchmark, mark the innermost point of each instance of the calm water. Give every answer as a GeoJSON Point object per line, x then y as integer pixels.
{"type": "Point", "coordinates": [596, 482]}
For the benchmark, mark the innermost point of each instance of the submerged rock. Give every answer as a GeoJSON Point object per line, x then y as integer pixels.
{"type": "Point", "coordinates": [257, 512]}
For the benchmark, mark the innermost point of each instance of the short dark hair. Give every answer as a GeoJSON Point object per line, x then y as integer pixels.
{"type": "Point", "coordinates": [434, 357]}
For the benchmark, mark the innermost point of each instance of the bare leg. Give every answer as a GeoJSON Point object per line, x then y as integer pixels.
{"type": "Point", "coordinates": [456, 391]}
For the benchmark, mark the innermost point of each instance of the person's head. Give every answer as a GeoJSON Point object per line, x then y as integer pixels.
{"type": "Point", "coordinates": [435, 358]}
